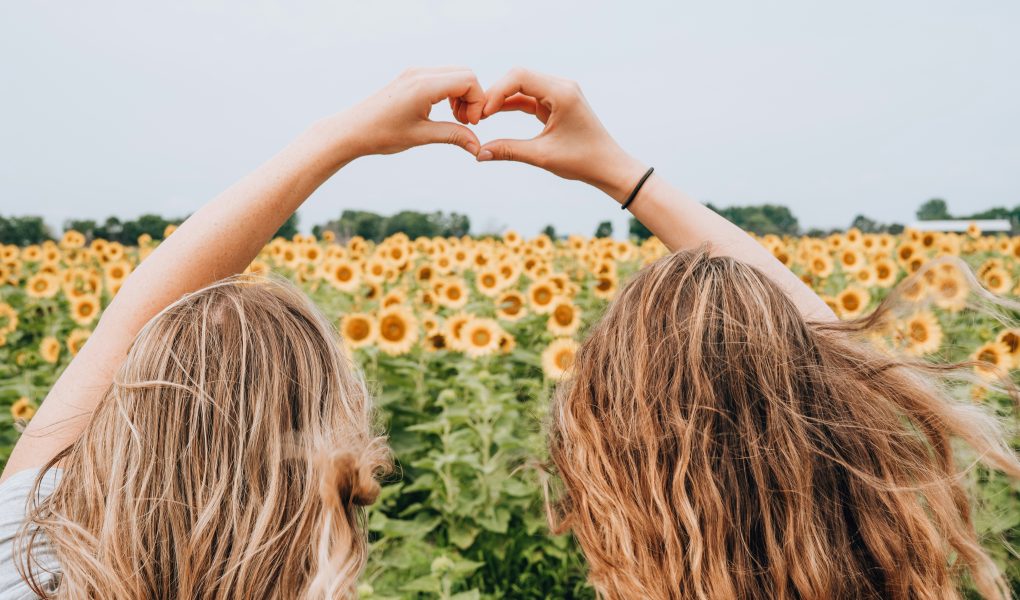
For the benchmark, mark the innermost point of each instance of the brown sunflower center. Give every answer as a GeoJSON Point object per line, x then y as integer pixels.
{"type": "Point", "coordinates": [358, 329]}
{"type": "Point", "coordinates": [564, 358]}
{"type": "Point", "coordinates": [918, 332]}
{"type": "Point", "coordinates": [393, 328]}
{"type": "Point", "coordinates": [481, 337]}
{"type": "Point", "coordinates": [564, 315]}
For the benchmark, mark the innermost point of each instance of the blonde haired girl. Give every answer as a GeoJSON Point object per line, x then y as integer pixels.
{"type": "Point", "coordinates": [211, 440]}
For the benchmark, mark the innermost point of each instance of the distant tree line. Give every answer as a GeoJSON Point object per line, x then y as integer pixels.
{"type": "Point", "coordinates": [761, 219]}
{"type": "Point", "coordinates": [376, 227]}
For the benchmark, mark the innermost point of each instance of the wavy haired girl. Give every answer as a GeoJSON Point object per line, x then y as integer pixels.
{"type": "Point", "coordinates": [723, 436]}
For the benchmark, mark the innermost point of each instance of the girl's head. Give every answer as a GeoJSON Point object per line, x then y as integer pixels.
{"type": "Point", "coordinates": [229, 459]}
{"type": "Point", "coordinates": [713, 444]}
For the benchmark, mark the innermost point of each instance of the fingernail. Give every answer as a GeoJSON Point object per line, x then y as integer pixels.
{"type": "Point", "coordinates": [472, 148]}
{"type": "Point", "coordinates": [485, 155]}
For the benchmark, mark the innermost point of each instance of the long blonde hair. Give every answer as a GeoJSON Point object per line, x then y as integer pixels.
{"type": "Point", "coordinates": [714, 444]}
{"type": "Point", "coordinates": [229, 459]}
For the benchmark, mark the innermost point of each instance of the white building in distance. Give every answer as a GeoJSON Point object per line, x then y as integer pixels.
{"type": "Point", "coordinates": [961, 225]}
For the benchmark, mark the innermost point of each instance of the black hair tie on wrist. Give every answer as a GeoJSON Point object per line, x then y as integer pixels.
{"type": "Point", "coordinates": [637, 188]}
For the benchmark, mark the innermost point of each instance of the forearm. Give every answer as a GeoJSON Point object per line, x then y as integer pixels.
{"type": "Point", "coordinates": [681, 222]}
{"type": "Point", "coordinates": [218, 240]}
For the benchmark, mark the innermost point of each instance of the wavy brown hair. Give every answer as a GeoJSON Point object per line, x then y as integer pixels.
{"type": "Point", "coordinates": [229, 459]}
{"type": "Point", "coordinates": [713, 444]}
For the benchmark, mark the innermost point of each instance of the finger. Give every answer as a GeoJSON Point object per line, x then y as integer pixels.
{"type": "Point", "coordinates": [526, 104]}
{"type": "Point", "coordinates": [462, 85]}
{"type": "Point", "coordinates": [522, 103]}
{"type": "Point", "coordinates": [518, 80]}
{"type": "Point", "coordinates": [524, 151]}
{"type": "Point", "coordinates": [456, 107]}
{"type": "Point", "coordinates": [444, 132]}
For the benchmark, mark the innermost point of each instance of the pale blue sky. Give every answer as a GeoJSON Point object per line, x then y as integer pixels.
{"type": "Point", "coordinates": [831, 108]}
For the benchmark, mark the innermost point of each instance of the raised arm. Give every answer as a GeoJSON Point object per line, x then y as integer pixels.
{"type": "Point", "coordinates": [223, 237]}
{"type": "Point", "coordinates": [575, 145]}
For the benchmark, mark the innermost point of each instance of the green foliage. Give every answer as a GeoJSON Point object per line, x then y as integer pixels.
{"type": "Point", "coordinates": [638, 231]}
{"type": "Point", "coordinates": [761, 219]}
{"type": "Point", "coordinates": [289, 228]}
{"type": "Point", "coordinates": [550, 231]}
{"type": "Point", "coordinates": [124, 232]}
{"type": "Point", "coordinates": [604, 230]}
{"type": "Point", "coordinates": [375, 227]}
{"type": "Point", "coordinates": [933, 210]}
{"type": "Point", "coordinates": [23, 231]}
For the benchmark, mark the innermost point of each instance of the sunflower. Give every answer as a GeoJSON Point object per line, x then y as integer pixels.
{"type": "Point", "coordinates": [76, 339]}
{"type": "Point", "coordinates": [429, 322]}
{"type": "Point", "coordinates": [375, 270]}
{"type": "Point", "coordinates": [72, 239]}
{"type": "Point", "coordinates": [343, 275]}
{"type": "Point", "coordinates": [453, 294]}
{"type": "Point", "coordinates": [992, 359]}
{"type": "Point", "coordinates": [885, 272]}
{"type": "Point", "coordinates": [511, 306]}
{"type": "Point", "coordinates": [922, 333]}
{"type": "Point", "coordinates": [116, 271]}
{"type": "Point", "coordinates": [605, 286]}
{"type": "Point", "coordinates": [820, 265]}
{"type": "Point", "coordinates": [564, 319]}
{"type": "Point", "coordinates": [852, 301]}
{"type": "Point", "coordinates": [257, 267]}
{"type": "Point", "coordinates": [507, 343]}
{"type": "Point", "coordinates": [997, 280]}
{"type": "Point", "coordinates": [398, 330]}
{"type": "Point", "coordinates": [22, 409]}
{"type": "Point", "coordinates": [480, 337]}
{"type": "Point", "coordinates": [42, 285]}
{"type": "Point", "coordinates": [49, 349]}
{"type": "Point", "coordinates": [906, 251]}
{"type": "Point", "coordinates": [8, 318]}
{"type": "Point", "coordinates": [851, 260]}
{"type": "Point", "coordinates": [950, 291]}
{"type": "Point", "coordinates": [425, 273]}
{"type": "Point", "coordinates": [453, 329]}
{"type": "Point", "coordinates": [541, 295]}
{"type": "Point", "coordinates": [435, 341]}
{"type": "Point", "coordinates": [358, 329]}
{"type": "Point", "coordinates": [85, 309]}
{"type": "Point", "coordinates": [394, 297]}
{"type": "Point", "coordinates": [1011, 338]}
{"type": "Point", "coordinates": [865, 276]}
{"type": "Point", "coordinates": [489, 282]}
{"type": "Point", "coordinates": [558, 357]}
{"type": "Point", "coordinates": [32, 253]}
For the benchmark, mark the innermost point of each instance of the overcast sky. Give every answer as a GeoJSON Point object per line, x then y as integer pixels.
{"type": "Point", "coordinates": [832, 108]}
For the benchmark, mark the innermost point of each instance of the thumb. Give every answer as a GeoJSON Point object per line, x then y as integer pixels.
{"type": "Point", "coordinates": [516, 150]}
{"type": "Point", "coordinates": [443, 132]}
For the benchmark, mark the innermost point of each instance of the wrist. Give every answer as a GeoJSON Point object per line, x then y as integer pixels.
{"type": "Point", "coordinates": [335, 139]}
{"type": "Point", "coordinates": [618, 174]}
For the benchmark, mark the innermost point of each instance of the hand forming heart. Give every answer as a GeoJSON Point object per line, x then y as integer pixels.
{"type": "Point", "coordinates": [573, 143]}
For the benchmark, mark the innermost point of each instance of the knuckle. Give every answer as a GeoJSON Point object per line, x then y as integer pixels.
{"type": "Point", "coordinates": [455, 137]}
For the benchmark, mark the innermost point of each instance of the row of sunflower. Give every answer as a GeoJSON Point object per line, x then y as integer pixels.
{"type": "Point", "coordinates": [431, 318]}
{"type": "Point", "coordinates": [467, 295]}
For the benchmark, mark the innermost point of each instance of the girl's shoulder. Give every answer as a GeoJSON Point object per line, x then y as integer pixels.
{"type": "Point", "coordinates": [14, 496]}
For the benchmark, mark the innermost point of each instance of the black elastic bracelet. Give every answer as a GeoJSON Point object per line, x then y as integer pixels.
{"type": "Point", "coordinates": [637, 188]}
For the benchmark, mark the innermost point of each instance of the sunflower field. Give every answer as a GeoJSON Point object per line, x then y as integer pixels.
{"type": "Point", "coordinates": [462, 341]}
